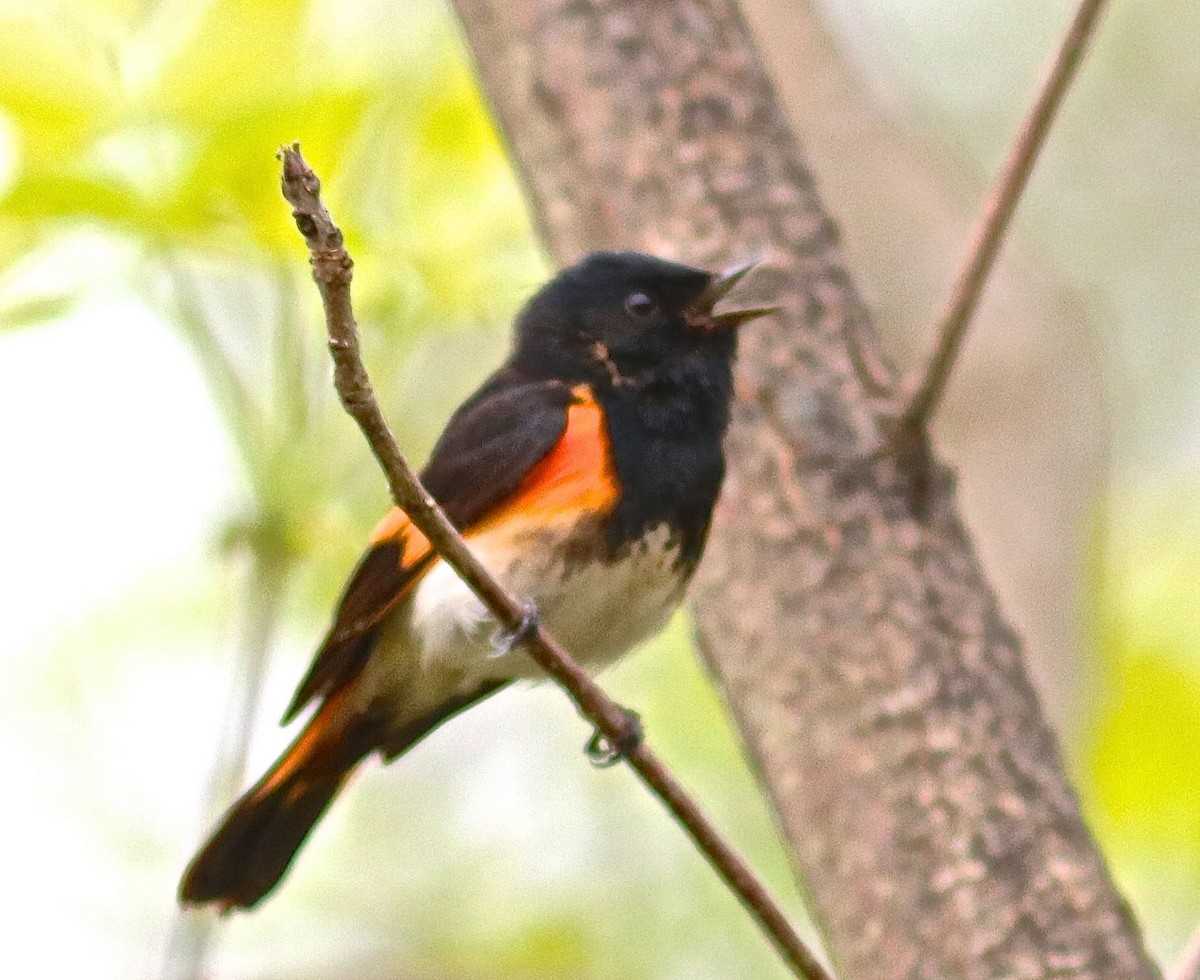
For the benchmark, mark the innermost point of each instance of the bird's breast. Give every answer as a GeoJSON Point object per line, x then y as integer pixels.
{"type": "Point", "coordinates": [596, 603]}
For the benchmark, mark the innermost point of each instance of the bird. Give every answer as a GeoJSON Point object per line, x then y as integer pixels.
{"type": "Point", "coordinates": [583, 473]}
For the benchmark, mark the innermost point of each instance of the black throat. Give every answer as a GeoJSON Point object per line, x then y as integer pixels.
{"type": "Point", "coordinates": [666, 429]}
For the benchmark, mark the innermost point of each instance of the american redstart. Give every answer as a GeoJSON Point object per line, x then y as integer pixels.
{"type": "Point", "coordinates": [583, 473]}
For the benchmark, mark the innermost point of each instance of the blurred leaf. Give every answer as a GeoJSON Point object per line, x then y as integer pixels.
{"type": "Point", "coordinates": [114, 202]}
{"type": "Point", "coordinates": [235, 58]}
{"type": "Point", "coordinates": [236, 164]}
{"type": "Point", "coordinates": [45, 195]}
{"type": "Point", "coordinates": [1149, 574]}
{"type": "Point", "coordinates": [34, 311]}
{"type": "Point", "coordinates": [1142, 792]}
{"type": "Point", "coordinates": [549, 946]}
{"type": "Point", "coordinates": [454, 121]}
{"type": "Point", "coordinates": [58, 85]}
{"type": "Point", "coordinates": [1141, 771]}
{"type": "Point", "coordinates": [1142, 755]}
{"type": "Point", "coordinates": [1143, 762]}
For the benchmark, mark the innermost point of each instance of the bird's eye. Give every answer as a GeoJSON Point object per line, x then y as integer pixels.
{"type": "Point", "coordinates": [640, 305]}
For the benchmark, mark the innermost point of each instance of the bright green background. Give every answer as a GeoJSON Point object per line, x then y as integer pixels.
{"type": "Point", "coordinates": [177, 470]}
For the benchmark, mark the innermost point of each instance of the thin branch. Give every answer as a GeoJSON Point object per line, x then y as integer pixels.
{"type": "Point", "coordinates": [332, 271]}
{"type": "Point", "coordinates": [191, 318]}
{"type": "Point", "coordinates": [1188, 967]}
{"type": "Point", "coordinates": [988, 236]}
{"type": "Point", "coordinates": [245, 418]}
{"type": "Point", "coordinates": [193, 929]}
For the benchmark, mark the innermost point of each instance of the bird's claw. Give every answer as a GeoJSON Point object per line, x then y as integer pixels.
{"type": "Point", "coordinates": [505, 643]}
{"type": "Point", "coordinates": [603, 753]}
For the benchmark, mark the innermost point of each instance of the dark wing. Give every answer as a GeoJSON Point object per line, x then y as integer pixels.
{"type": "Point", "coordinates": [488, 448]}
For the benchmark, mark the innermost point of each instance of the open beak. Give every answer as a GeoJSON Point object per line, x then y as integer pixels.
{"type": "Point", "coordinates": [700, 312]}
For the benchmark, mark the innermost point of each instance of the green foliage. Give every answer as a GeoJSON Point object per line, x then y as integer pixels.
{"type": "Point", "coordinates": [1140, 761]}
{"type": "Point", "coordinates": [1145, 767]}
{"type": "Point", "coordinates": [160, 130]}
{"type": "Point", "coordinates": [57, 84]}
{"type": "Point", "coordinates": [34, 310]}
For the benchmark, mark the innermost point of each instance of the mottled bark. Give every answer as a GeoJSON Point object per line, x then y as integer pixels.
{"type": "Point", "coordinates": [1025, 420]}
{"type": "Point", "coordinates": [874, 679]}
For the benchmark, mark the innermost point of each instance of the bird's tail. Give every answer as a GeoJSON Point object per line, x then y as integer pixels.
{"type": "Point", "coordinates": [257, 839]}
{"type": "Point", "coordinates": [253, 846]}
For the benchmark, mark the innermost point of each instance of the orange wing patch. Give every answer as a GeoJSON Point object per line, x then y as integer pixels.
{"type": "Point", "coordinates": [382, 579]}
{"type": "Point", "coordinates": [396, 527]}
{"type": "Point", "coordinates": [577, 475]}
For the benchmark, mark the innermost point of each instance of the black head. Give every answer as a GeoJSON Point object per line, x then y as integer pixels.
{"type": "Point", "coordinates": [623, 319]}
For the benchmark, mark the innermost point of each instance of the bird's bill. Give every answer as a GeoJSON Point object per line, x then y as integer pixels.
{"type": "Point", "coordinates": [735, 318]}
{"type": "Point", "coordinates": [722, 283]}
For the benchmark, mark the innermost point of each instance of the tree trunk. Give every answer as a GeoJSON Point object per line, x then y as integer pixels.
{"type": "Point", "coordinates": [1025, 420]}
{"type": "Point", "coordinates": [874, 679]}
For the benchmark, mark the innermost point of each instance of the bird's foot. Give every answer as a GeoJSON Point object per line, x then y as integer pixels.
{"type": "Point", "coordinates": [602, 752]}
{"type": "Point", "coordinates": [504, 643]}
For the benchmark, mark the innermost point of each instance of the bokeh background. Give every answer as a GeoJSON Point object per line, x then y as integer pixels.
{"type": "Point", "coordinates": [181, 497]}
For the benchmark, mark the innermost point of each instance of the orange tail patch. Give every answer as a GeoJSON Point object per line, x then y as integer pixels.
{"type": "Point", "coordinates": [254, 845]}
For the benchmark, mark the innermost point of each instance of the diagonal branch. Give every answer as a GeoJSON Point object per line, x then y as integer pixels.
{"type": "Point", "coordinates": [332, 271]}
{"type": "Point", "coordinates": [988, 236]}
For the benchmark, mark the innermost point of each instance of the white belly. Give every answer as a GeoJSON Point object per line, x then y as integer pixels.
{"type": "Point", "coordinates": [597, 611]}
